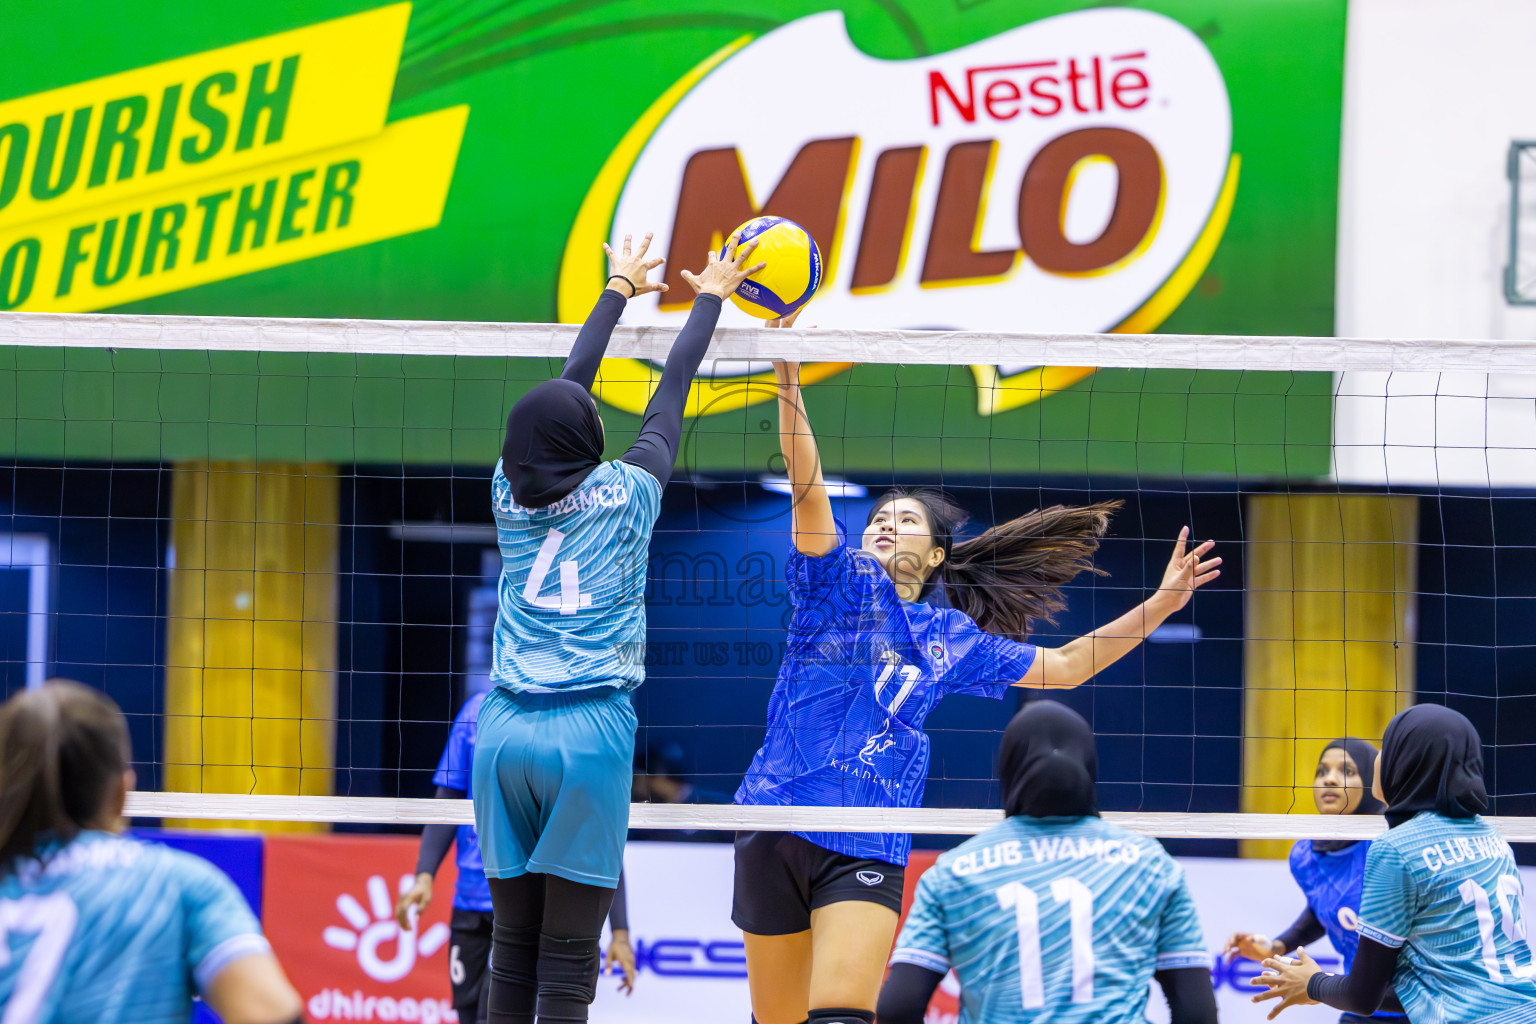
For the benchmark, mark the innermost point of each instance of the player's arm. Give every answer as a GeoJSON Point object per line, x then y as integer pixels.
{"type": "Point", "coordinates": [1191, 999]}
{"type": "Point", "coordinates": [1299, 981]}
{"type": "Point", "coordinates": [436, 841]}
{"type": "Point", "coordinates": [1304, 931]}
{"type": "Point", "coordinates": [655, 450]}
{"type": "Point", "coordinates": [1057, 668]}
{"type": "Point", "coordinates": [620, 953]}
{"type": "Point", "coordinates": [254, 990]}
{"type": "Point", "coordinates": [906, 993]}
{"type": "Point", "coordinates": [627, 279]}
{"type": "Point", "coordinates": [815, 532]}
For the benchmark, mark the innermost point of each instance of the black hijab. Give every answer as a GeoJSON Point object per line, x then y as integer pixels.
{"type": "Point", "coordinates": [554, 439]}
{"type": "Point", "coordinates": [1432, 760]}
{"type": "Point", "coordinates": [1364, 756]}
{"type": "Point", "coordinates": [1048, 763]}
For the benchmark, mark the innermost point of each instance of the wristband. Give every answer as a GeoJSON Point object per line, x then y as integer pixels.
{"type": "Point", "coordinates": [632, 289]}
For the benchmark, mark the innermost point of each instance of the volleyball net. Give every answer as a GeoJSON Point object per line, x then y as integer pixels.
{"type": "Point", "coordinates": [271, 542]}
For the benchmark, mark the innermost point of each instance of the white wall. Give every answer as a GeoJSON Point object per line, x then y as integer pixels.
{"type": "Point", "coordinates": [1434, 94]}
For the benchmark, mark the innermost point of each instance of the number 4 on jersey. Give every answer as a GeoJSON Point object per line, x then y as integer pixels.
{"type": "Point", "coordinates": [570, 599]}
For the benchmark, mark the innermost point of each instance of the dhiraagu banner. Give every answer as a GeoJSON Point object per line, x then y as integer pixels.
{"type": "Point", "coordinates": [1034, 166]}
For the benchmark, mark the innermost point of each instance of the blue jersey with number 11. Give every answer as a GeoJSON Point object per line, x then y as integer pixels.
{"type": "Point", "coordinates": [571, 600]}
{"type": "Point", "coordinates": [862, 669]}
{"type": "Point", "coordinates": [1060, 920]}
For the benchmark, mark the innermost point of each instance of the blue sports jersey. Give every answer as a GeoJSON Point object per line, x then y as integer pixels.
{"type": "Point", "coordinates": [1445, 893]}
{"type": "Point", "coordinates": [1332, 882]}
{"type": "Point", "coordinates": [1053, 919]}
{"type": "Point", "coordinates": [111, 930]}
{"type": "Point", "coordinates": [571, 599]}
{"type": "Point", "coordinates": [862, 669]}
{"type": "Point", "coordinates": [455, 771]}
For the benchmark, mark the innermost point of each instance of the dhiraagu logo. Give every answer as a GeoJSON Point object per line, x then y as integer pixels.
{"type": "Point", "coordinates": [368, 934]}
{"type": "Point", "coordinates": [214, 165]}
{"type": "Point", "coordinates": [1070, 175]}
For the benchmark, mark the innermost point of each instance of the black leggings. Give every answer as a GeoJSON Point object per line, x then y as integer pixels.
{"type": "Point", "coordinates": [544, 948]}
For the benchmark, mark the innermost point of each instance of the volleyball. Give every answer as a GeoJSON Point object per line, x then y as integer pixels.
{"type": "Point", "coordinates": [793, 272]}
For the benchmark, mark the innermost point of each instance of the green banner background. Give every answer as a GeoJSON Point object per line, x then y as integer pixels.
{"type": "Point", "coordinates": [552, 86]}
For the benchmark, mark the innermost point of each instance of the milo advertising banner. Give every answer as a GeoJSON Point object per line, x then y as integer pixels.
{"type": "Point", "coordinates": [996, 166]}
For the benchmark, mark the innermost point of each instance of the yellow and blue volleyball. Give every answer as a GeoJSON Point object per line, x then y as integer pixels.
{"type": "Point", "coordinates": [793, 272]}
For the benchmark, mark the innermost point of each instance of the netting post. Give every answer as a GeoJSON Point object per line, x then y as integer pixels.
{"type": "Point", "coordinates": [1329, 636]}
{"type": "Point", "coordinates": [250, 679]}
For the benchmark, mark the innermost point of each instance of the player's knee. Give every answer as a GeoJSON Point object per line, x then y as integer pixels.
{"type": "Point", "coordinates": [841, 1015]}
{"type": "Point", "coordinates": [514, 952]}
{"type": "Point", "coordinates": [568, 968]}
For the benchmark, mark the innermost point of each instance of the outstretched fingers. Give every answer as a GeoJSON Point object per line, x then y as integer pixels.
{"type": "Point", "coordinates": [645, 243]}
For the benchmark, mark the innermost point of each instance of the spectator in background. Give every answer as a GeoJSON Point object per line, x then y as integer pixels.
{"type": "Point", "coordinates": [659, 779]}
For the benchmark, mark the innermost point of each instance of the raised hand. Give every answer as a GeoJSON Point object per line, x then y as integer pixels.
{"type": "Point", "coordinates": [634, 268]}
{"type": "Point", "coordinates": [1186, 572]}
{"type": "Point", "coordinates": [720, 277]}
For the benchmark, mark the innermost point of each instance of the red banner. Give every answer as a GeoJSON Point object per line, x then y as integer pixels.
{"type": "Point", "coordinates": [328, 908]}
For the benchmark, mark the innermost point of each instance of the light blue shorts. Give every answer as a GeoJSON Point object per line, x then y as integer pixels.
{"type": "Point", "coordinates": [552, 782]}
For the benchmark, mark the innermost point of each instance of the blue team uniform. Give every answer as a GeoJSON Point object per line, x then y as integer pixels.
{"type": "Point", "coordinates": [111, 930]}
{"type": "Point", "coordinates": [1332, 883]}
{"type": "Point", "coordinates": [556, 736]}
{"type": "Point", "coordinates": [1052, 919]}
{"type": "Point", "coordinates": [862, 669]}
{"type": "Point", "coordinates": [1446, 894]}
{"type": "Point", "coordinates": [454, 771]}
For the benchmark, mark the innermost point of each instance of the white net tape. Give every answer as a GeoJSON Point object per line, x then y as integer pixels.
{"type": "Point", "coordinates": [729, 817]}
{"type": "Point", "coordinates": [447, 338]}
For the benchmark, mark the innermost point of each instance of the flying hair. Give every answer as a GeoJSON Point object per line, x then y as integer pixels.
{"type": "Point", "coordinates": [62, 747]}
{"type": "Point", "coordinates": [1010, 576]}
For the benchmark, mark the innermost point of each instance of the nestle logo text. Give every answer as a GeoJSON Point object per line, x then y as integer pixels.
{"type": "Point", "coordinates": [1040, 88]}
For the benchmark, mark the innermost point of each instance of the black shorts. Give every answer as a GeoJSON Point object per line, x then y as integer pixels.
{"type": "Point", "coordinates": [781, 878]}
{"type": "Point", "coordinates": [469, 956]}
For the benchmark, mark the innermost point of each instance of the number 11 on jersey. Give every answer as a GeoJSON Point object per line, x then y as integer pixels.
{"type": "Point", "coordinates": [1025, 904]}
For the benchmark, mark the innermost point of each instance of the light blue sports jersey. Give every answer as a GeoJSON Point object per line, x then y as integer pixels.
{"type": "Point", "coordinates": [862, 669]}
{"type": "Point", "coordinates": [111, 930]}
{"type": "Point", "coordinates": [1446, 894]}
{"type": "Point", "coordinates": [571, 608]}
{"type": "Point", "coordinates": [455, 770]}
{"type": "Point", "coordinates": [1053, 919]}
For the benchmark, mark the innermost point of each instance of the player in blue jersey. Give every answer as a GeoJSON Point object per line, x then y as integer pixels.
{"type": "Point", "coordinates": [95, 927]}
{"type": "Point", "coordinates": [1330, 872]}
{"type": "Point", "coordinates": [867, 658]}
{"type": "Point", "coordinates": [556, 734]}
{"type": "Point", "coordinates": [470, 927]}
{"type": "Point", "coordinates": [1441, 920]}
{"type": "Point", "coordinates": [1050, 916]}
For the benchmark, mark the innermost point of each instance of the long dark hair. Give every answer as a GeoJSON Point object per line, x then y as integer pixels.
{"type": "Point", "coordinates": [62, 747]}
{"type": "Point", "coordinates": [1011, 575]}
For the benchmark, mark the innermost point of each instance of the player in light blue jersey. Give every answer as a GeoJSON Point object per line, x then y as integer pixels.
{"type": "Point", "coordinates": [1055, 915]}
{"type": "Point", "coordinates": [95, 927]}
{"type": "Point", "coordinates": [1330, 872]}
{"type": "Point", "coordinates": [556, 734]}
{"type": "Point", "coordinates": [1440, 916]}
{"type": "Point", "coordinates": [867, 658]}
{"type": "Point", "coordinates": [471, 925]}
